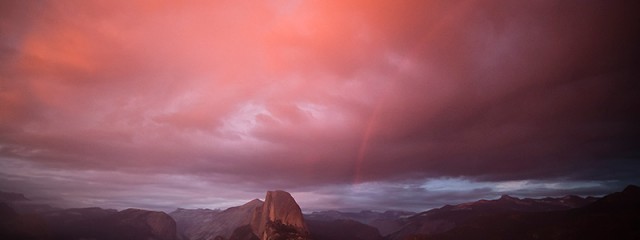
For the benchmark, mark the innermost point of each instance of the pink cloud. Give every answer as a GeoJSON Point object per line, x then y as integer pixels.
{"type": "Point", "coordinates": [317, 94]}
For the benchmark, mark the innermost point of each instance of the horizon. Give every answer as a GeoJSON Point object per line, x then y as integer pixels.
{"type": "Point", "coordinates": [427, 206]}
{"type": "Point", "coordinates": [344, 104]}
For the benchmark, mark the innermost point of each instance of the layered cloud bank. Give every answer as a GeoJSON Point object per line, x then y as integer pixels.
{"type": "Point", "coordinates": [346, 103]}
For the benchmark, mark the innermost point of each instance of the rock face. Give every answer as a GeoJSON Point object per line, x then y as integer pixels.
{"type": "Point", "coordinates": [278, 217]}
{"type": "Point", "coordinates": [279, 212]}
{"type": "Point", "coordinates": [186, 219]}
{"type": "Point", "coordinates": [152, 224]}
{"type": "Point", "coordinates": [205, 224]}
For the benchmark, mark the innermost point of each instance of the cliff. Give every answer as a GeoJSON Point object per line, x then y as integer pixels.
{"type": "Point", "coordinates": [279, 218]}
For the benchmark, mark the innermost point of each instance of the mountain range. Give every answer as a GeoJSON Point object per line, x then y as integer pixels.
{"type": "Point", "coordinates": [279, 217]}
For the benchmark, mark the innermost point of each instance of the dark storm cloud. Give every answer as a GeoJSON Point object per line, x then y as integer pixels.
{"type": "Point", "coordinates": [317, 95]}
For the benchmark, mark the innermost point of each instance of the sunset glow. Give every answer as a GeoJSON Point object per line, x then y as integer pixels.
{"type": "Point", "coordinates": [345, 104]}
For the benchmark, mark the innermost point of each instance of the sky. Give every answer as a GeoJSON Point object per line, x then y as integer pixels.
{"type": "Point", "coordinates": [348, 105]}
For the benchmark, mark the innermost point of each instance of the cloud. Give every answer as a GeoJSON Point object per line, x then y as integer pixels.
{"type": "Point", "coordinates": [318, 95]}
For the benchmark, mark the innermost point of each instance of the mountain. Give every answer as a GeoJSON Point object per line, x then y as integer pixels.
{"type": "Point", "coordinates": [86, 223]}
{"type": "Point", "coordinates": [205, 224]}
{"type": "Point", "coordinates": [12, 197]}
{"type": "Point", "coordinates": [342, 229]}
{"type": "Point", "coordinates": [243, 233]}
{"type": "Point", "coordinates": [18, 218]}
{"type": "Point", "coordinates": [107, 224]}
{"type": "Point", "coordinates": [23, 205]}
{"type": "Point", "coordinates": [190, 217]}
{"type": "Point", "coordinates": [22, 218]}
{"type": "Point", "coordinates": [21, 226]}
{"type": "Point", "coordinates": [386, 222]}
{"type": "Point", "coordinates": [446, 218]}
{"type": "Point", "coordinates": [278, 217]}
{"type": "Point", "coordinates": [627, 200]}
{"type": "Point", "coordinates": [615, 216]}
{"type": "Point", "coordinates": [143, 224]}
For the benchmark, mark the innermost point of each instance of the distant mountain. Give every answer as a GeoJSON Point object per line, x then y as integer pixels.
{"type": "Point", "coordinates": [21, 218]}
{"type": "Point", "coordinates": [186, 218]}
{"type": "Point", "coordinates": [21, 226]}
{"type": "Point", "coordinates": [204, 224]}
{"type": "Point", "coordinates": [342, 229]}
{"type": "Point", "coordinates": [23, 205]}
{"type": "Point", "coordinates": [87, 223]}
{"type": "Point", "coordinates": [615, 216]}
{"type": "Point", "coordinates": [108, 224]}
{"type": "Point", "coordinates": [386, 222]}
{"type": "Point", "coordinates": [443, 219]}
{"type": "Point", "coordinates": [278, 217]}
{"type": "Point", "coordinates": [12, 197]}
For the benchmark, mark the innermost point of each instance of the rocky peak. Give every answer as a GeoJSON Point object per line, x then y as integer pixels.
{"type": "Point", "coordinates": [254, 203]}
{"type": "Point", "coordinates": [280, 205]}
{"type": "Point", "coordinates": [508, 198]}
{"type": "Point", "coordinates": [279, 212]}
{"type": "Point", "coordinates": [278, 217]}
